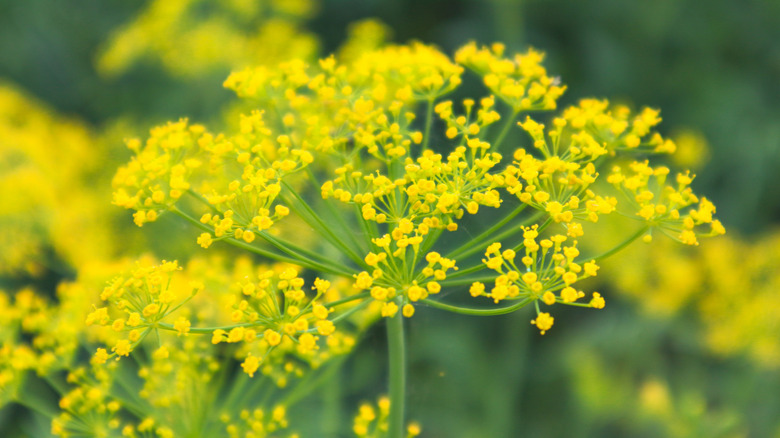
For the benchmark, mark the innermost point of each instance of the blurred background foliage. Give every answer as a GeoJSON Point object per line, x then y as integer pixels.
{"type": "Point", "coordinates": [689, 344]}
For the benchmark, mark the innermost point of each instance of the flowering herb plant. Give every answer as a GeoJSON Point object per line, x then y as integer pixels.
{"type": "Point", "coordinates": [357, 177]}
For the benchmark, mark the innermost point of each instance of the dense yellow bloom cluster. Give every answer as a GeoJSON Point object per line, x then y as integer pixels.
{"type": "Point", "coordinates": [180, 382]}
{"type": "Point", "coordinates": [143, 299]}
{"type": "Point", "coordinates": [353, 122]}
{"type": "Point", "coordinates": [663, 278]}
{"type": "Point", "coordinates": [738, 301]}
{"type": "Point", "coordinates": [372, 191]}
{"type": "Point", "coordinates": [181, 374]}
{"type": "Point", "coordinates": [385, 281]}
{"type": "Point", "coordinates": [40, 335]}
{"type": "Point", "coordinates": [275, 312]}
{"type": "Point", "coordinates": [158, 174]}
{"type": "Point", "coordinates": [386, 75]}
{"type": "Point", "coordinates": [272, 318]}
{"type": "Point", "coordinates": [665, 206]}
{"type": "Point", "coordinates": [547, 272]}
{"type": "Point", "coordinates": [521, 81]}
{"type": "Point", "coordinates": [24, 314]}
{"type": "Point", "coordinates": [617, 129]}
{"type": "Point", "coordinates": [559, 184]}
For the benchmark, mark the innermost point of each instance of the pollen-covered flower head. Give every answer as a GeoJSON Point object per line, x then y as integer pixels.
{"type": "Point", "coordinates": [616, 128]}
{"type": "Point", "coordinates": [521, 81]}
{"type": "Point", "coordinates": [137, 302]}
{"type": "Point", "coordinates": [158, 175]}
{"type": "Point", "coordinates": [275, 316]}
{"type": "Point", "coordinates": [559, 187]}
{"type": "Point", "coordinates": [393, 290]}
{"type": "Point", "coordinates": [546, 270]}
{"type": "Point", "coordinates": [670, 207]}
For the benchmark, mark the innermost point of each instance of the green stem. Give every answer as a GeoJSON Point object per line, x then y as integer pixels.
{"type": "Point", "coordinates": [397, 359]}
{"type": "Point", "coordinates": [477, 241]}
{"type": "Point", "coordinates": [475, 245]}
{"type": "Point", "coordinates": [463, 272]}
{"type": "Point", "coordinates": [294, 250]}
{"type": "Point", "coordinates": [37, 396]}
{"type": "Point", "coordinates": [203, 200]}
{"type": "Point", "coordinates": [49, 413]}
{"type": "Point", "coordinates": [245, 388]}
{"type": "Point", "coordinates": [205, 330]}
{"type": "Point", "coordinates": [334, 213]}
{"type": "Point", "coordinates": [428, 123]}
{"type": "Point", "coordinates": [297, 259]}
{"type": "Point", "coordinates": [504, 131]}
{"type": "Point", "coordinates": [620, 246]}
{"type": "Point", "coordinates": [430, 239]}
{"type": "Point", "coordinates": [54, 382]}
{"type": "Point", "coordinates": [351, 311]}
{"type": "Point", "coordinates": [359, 296]}
{"type": "Point", "coordinates": [496, 238]}
{"type": "Point", "coordinates": [310, 217]}
{"type": "Point", "coordinates": [462, 281]}
{"type": "Point", "coordinates": [478, 312]}
{"type": "Point", "coordinates": [312, 381]}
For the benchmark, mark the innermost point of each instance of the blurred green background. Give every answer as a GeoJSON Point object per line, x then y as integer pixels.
{"type": "Point", "coordinates": [713, 67]}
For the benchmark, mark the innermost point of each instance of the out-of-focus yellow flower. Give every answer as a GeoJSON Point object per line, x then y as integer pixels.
{"type": "Point", "coordinates": [51, 211]}
{"type": "Point", "coordinates": [692, 149]}
{"type": "Point", "coordinates": [193, 37]}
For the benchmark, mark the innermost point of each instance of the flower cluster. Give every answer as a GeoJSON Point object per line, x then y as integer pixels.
{"type": "Point", "coordinates": [143, 300]}
{"type": "Point", "coordinates": [547, 272]}
{"type": "Point", "coordinates": [26, 313]}
{"type": "Point", "coordinates": [616, 129]}
{"type": "Point", "coordinates": [40, 335]}
{"type": "Point", "coordinates": [158, 175]}
{"type": "Point", "coordinates": [180, 382]}
{"type": "Point", "coordinates": [360, 190]}
{"type": "Point", "coordinates": [276, 313]}
{"type": "Point", "coordinates": [391, 265]}
{"type": "Point", "coordinates": [467, 125]}
{"type": "Point", "coordinates": [666, 207]}
{"type": "Point", "coordinates": [371, 421]}
{"type": "Point", "coordinates": [353, 123]}
{"type": "Point", "coordinates": [522, 82]}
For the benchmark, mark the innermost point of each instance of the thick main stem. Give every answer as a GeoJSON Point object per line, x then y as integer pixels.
{"type": "Point", "coordinates": [397, 360]}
